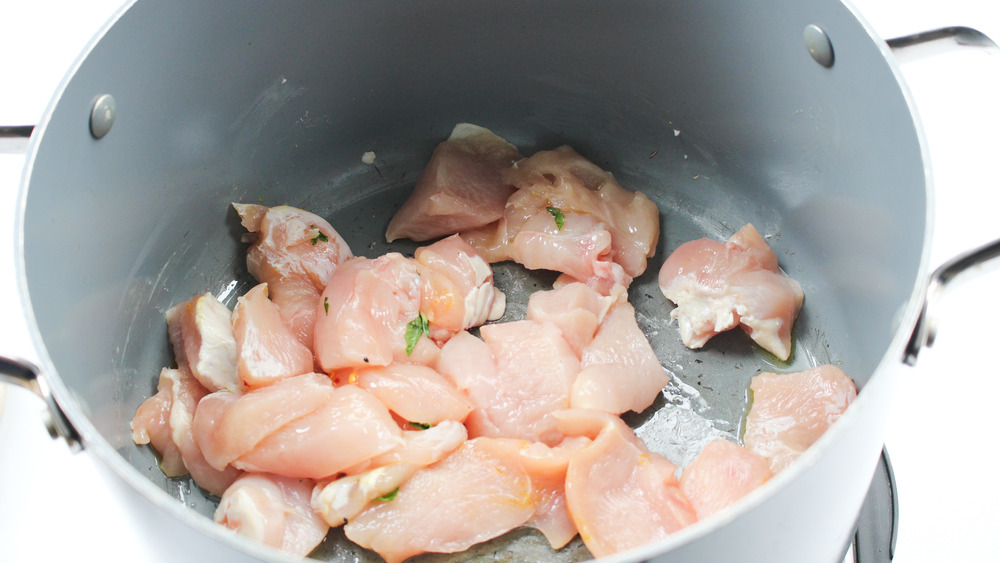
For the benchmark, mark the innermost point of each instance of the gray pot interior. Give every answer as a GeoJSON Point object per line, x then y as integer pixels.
{"type": "Point", "coordinates": [714, 109]}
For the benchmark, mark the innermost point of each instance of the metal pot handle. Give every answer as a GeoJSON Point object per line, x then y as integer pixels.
{"type": "Point", "coordinates": [27, 375]}
{"type": "Point", "coordinates": [926, 328]}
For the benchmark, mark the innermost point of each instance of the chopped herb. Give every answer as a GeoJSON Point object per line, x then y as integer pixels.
{"type": "Point", "coordinates": [420, 425]}
{"type": "Point", "coordinates": [320, 237]}
{"type": "Point", "coordinates": [557, 214]}
{"type": "Point", "coordinates": [326, 305]}
{"type": "Point", "coordinates": [414, 330]}
{"type": "Point", "coordinates": [388, 496]}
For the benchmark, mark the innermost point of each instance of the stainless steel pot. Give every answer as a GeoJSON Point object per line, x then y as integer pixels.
{"type": "Point", "coordinates": [723, 114]}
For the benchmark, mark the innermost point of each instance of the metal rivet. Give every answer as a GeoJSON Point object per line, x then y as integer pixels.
{"type": "Point", "coordinates": [102, 116]}
{"type": "Point", "coordinates": [818, 44]}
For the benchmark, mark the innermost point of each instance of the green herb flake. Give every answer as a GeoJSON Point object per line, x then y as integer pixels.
{"type": "Point", "coordinates": [320, 237]}
{"type": "Point", "coordinates": [557, 214]}
{"type": "Point", "coordinates": [388, 496]}
{"type": "Point", "coordinates": [326, 305]}
{"type": "Point", "coordinates": [419, 425]}
{"type": "Point", "coordinates": [414, 330]}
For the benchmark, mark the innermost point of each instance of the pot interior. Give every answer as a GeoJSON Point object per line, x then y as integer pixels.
{"type": "Point", "coordinates": [714, 110]}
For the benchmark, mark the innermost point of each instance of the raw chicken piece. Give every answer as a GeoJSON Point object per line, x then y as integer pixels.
{"type": "Point", "coordinates": [457, 291]}
{"type": "Point", "coordinates": [353, 426]}
{"type": "Point", "coordinates": [295, 252]}
{"type": "Point", "coordinates": [620, 495]}
{"type": "Point", "coordinates": [416, 393]}
{"type": "Point", "coordinates": [483, 489]}
{"type": "Point", "coordinates": [619, 370]}
{"type": "Point", "coordinates": [722, 474]}
{"type": "Point", "coordinates": [151, 425]}
{"type": "Point", "coordinates": [164, 421]}
{"type": "Point", "coordinates": [547, 469]}
{"type": "Point", "coordinates": [274, 511]}
{"type": "Point", "coordinates": [718, 286]}
{"type": "Point", "coordinates": [462, 187]}
{"type": "Point", "coordinates": [228, 425]}
{"type": "Point", "coordinates": [603, 222]}
{"type": "Point", "coordinates": [363, 317]}
{"type": "Point", "coordinates": [201, 333]}
{"type": "Point", "coordinates": [576, 309]}
{"type": "Point", "coordinates": [790, 411]}
{"type": "Point", "coordinates": [519, 373]}
{"type": "Point", "coordinates": [266, 349]}
{"type": "Point", "coordinates": [342, 499]}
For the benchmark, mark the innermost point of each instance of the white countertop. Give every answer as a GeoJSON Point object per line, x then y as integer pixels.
{"type": "Point", "coordinates": [57, 505]}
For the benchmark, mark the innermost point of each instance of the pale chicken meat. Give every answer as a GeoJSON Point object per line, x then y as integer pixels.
{"type": "Point", "coordinates": [516, 376]}
{"type": "Point", "coordinates": [295, 252]}
{"type": "Point", "coordinates": [416, 393]}
{"type": "Point", "coordinates": [619, 370]}
{"type": "Point", "coordinates": [464, 186]}
{"type": "Point", "coordinates": [275, 511]}
{"type": "Point", "coordinates": [201, 333]}
{"type": "Point", "coordinates": [722, 474]}
{"type": "Point", "coordinates": [561, 195]}
{"type": "Point", "coordinates": [717, 286]}
{"type": "Point", "coordinates": [364, 312]}
{"type": "Point", "coordinates": [790, 411]}
{"type": "Point", "coordinates": [620, 495]}
{"type": "Point", "coordinates": [164, 421]}
{"type": "Point", "coordinates": [458, 291]}
{"type": "Point", "coordinates": [486, 487]}
{"type": "Point", "coordinates": [266, 349]}
{"type": "Point", "coordinates": [341, 499]}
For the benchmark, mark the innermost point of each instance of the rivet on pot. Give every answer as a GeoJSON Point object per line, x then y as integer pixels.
{"type": "Point", "coordinates": [102, 116]}
{"type": "Point", "coordinates": [818, 44]}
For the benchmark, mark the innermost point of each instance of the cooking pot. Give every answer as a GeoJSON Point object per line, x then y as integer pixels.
{"type": "Point", "coordinates": [787, 115]}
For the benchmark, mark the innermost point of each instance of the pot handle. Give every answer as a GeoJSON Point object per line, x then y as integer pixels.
{"type": "Point", "coordinates": [926, 328]}
{"type": "Point", "coordinates": [27, 375]}
{"type": "Point", "coordinates": [14, 138]}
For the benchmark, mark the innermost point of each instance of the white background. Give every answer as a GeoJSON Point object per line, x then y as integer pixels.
{"type": "Point", "coordinates": [56, 505]}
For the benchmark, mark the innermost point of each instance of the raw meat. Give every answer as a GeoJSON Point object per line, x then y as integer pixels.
{"type": "Point", "coordinates": [151, 425]}
{"type": "Point", "coordinates": [575, 309]}
{"type": "Point", "coordinates": [464, 186]}
{"type": "Point", "coordinates": [201, 332]}
{"type": "Point", "coordinates": [295, 252]}
{"type": "Point", "coordinates": [416, 393]}
{"type": "Point", "coordinates": [266, 349]}
{"type": "Point", "coordinates": [620, 495]}
{"type": "Point", "coordinates": [570, 216]}
{"type": "Point", "coordinates": [790, 411]}
{"type": "Point", "coordinates": [718, 286]}
{"type": "Point", "coordinates": [457, 291]}
{"type": "Point", "coordinates": [273, 510]}
{"type": "Point", "coordinates": [722, 474]}
{"type": "Point", "coordinates": [619, 370]}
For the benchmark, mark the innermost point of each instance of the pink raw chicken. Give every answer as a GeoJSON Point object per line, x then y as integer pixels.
{"type": "Point", "coordinates": [790, 411]}
{"type": "Point", "coordinates": [364, 312]}
{"type": "Point", "coordinates": [228, 425]}
{"type": "Point", "coordinates": [343, 498]}
{"type": "Point", "coordinates": [619, 370]}
{"type": "Point", "coordinates": [274, 511]}
{"type": "Point", "coordinates": [483, 489]}
{"type": "Point", "coordinates": [462, 187]}
{"type": "Point", "coordinates": [457, 291]}
{"type": "Point", "coordinates": [201, 332]}
{"type": "Point", "coordinates": [576, 309]}
{"type": "Point", "coordinates": [352, 427]}
{"type": "Point", "coordinates": [516, 376]}
{"type": "Point", "coordinates": [603, 222]}
{"type": "Point", "coordinates": [722, 474]}
{"type": "Point", "coordinates": [266, 349]}
{"type": "Point", "coordinates": [620, 495]}
{"type": "Point", "coordinates": [416, 393]}
{"type": "Point", "coordinates": [295, 252]}
{"type": "Point", "coordinates": [165, 419]}
{"type": "Point", "coordinates": [718, 286]}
